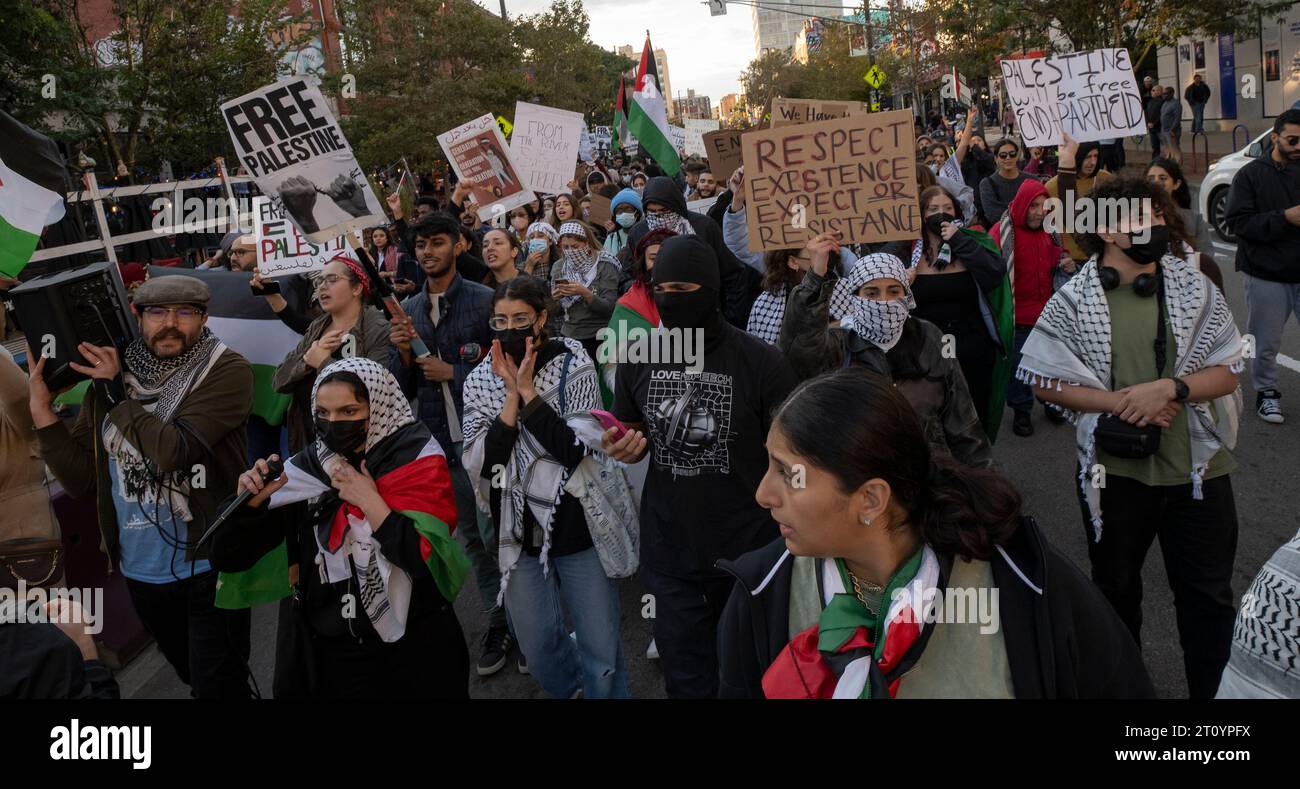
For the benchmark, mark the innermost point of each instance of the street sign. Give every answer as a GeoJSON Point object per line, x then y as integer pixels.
{"type": "Point", "coordinates": [717, 7]}
{"type": "Point", "coordinates": [875, 76]}
{"type": "Point", "coordinates": [875, 106]}
{"type": "Point", "coordinates": [506, 126]}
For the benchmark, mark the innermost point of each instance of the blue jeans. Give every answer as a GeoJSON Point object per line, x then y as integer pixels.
{"type": "Point", "coordinates": [595, 662]}
{"type": "Point", "coordinates": [1020, 395]}
{"type": "Point", "coordinates": [1198, 118]}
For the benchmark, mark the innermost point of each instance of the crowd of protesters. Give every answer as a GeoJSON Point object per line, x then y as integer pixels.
{"type": "Point", "coordinates": [790, 490]}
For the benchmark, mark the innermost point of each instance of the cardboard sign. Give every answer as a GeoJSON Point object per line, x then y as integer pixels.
{"type": "Point", "coordinates": [545, 146]}
{"type": "Point", "coordinates": [702, 206]}
{"type": "Point", "coordinates": [723, 149]}
{"type": "Point", "coordinates": [1090, 95]}
{"type": "Point", "coordinates": [696, 128]}
{"type": "Point", "coordinates": [479, 156]}
{"type": "Point", "coordinates": [599, 212]}
{"type": "Point", "coordinates": [786, 112]}
{"type": "Point", "coordinates": [855, 176]}
{"type": "Point", "coordinates": [287, 139]}
{"type": "Point", "coordinates": [282, 250]}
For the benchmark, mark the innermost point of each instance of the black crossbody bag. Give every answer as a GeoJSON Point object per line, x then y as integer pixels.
{"type": "Point", "coordinates": [1123, 439]}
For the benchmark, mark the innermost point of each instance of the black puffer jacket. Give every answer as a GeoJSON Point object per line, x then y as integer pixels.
{"type": "Point", "coordinates": [740, 284]}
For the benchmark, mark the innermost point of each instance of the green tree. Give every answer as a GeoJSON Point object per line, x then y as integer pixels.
{"type": "Point", "coordinates": [768, 76]}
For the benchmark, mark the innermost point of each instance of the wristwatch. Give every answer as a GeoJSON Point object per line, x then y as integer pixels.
{"type": "Point", "coordinates": [1181, 392]}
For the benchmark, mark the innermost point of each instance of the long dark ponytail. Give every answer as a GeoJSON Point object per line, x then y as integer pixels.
{"type": "Point", "coordinates": [856, 426]}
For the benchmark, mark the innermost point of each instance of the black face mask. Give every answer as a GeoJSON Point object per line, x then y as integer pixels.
{"type": "Point", "coordinates": [934, 222]}
{"type": "Point", "coordinates": [344, 436]}
{"type": "Point", "coordinates": [515, 342]}
{"type": "Point", "coordinates": [691, 310]}
{"type": "Point", "coordinates": [1155, 247]}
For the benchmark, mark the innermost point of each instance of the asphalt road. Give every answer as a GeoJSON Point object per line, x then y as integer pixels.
{"type": "Point", "coordinates": [1042, 466]}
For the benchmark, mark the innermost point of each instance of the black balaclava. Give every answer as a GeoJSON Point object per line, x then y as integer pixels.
{"type": "Point", "coordinates": [689, 259]}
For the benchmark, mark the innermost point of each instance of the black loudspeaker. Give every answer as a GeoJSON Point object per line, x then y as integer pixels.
{"type": "Point", "coordinates": [60, 310]}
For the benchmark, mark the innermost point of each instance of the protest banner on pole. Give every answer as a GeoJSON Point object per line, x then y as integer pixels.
{"type": "Point", "coordinates": [282, 250]}
{"type": "Point", "coordinates": [723, 149]}
{"type": "Point", "coordinates": [293, 148]}
{"type": "Point", "coordinates": [855, 176]}
{"type": "Point", "coordinates": [1090, 95]}
{"type": "Point", "coordinates": [786, 112]}
{"type": "Point", "coordinates": [696, 128]}
{"type": "Point", "coordinates": [479, 157]}
{"type": "Point", "coordinates": [545, 146]}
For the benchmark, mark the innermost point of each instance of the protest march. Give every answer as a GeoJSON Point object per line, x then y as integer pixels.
{"type": "Point", "coordinates": [430, 372]}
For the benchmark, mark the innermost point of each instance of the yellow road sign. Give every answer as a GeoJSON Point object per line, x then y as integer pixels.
{"type": "Point", "coordinates": [875, 76]}
{"type": "Point", "coordinates": [506, 126]}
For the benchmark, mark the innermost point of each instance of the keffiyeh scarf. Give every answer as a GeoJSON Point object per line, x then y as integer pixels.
{"type": "Point", "coordinates": [160, 385]}
{"type": "Point", "coordinates": [767, 315]}
{"type": "Point", "coordinates": [1071, 345]}
{"type": "Point", "coordinates": [846, 655]}
{"type": "Point", "coordinates": [532, 479]}
{"type": "Point", "coordinates": [412, 477]}
{"type": "Point", "coordinates": [542, 229]}
{"type": "Point", "coordinates": [670, 220]}
{"type": "Point", "coordinates": [849, 308]}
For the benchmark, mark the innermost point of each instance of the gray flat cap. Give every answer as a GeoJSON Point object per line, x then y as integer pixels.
{"type": "Point", "coordinates": [171, 289]}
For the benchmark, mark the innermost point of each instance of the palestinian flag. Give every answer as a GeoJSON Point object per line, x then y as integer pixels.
{"type": "Point", "coordinates": [246, 324]}
{"type": "Point", "coordinates": [647, 118]}
{"type": "Point", "coordinates": [32, 183]}
{"type": "Point", "coordinates": [620, 116]}
{"type": "Point", "coordinates": [411, 473]}
{"type": "Point", "coordinates": [635, 316]}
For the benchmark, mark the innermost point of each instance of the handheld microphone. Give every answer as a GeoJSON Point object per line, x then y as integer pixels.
{"type": "Point", "coordinates": [274, 469]}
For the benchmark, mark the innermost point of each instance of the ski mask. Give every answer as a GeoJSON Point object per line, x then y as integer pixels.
{"type": "Point", "coordinates": [688, 259]}
{"type": "Point", "coordinates": [1156, 247]}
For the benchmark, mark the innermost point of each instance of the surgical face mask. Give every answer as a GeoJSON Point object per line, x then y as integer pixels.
{"type": "Point", "coordinates": [626, 219]}
{"type": "Point", "coordinates": [1156, 247]}
{"type": "Point", "coordinates": [536, 245]}
{"type": "Point", "coordinates": [344, 436]}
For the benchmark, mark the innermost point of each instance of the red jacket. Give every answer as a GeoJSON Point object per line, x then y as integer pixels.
{"type": "Point", "coordinates": [1036, 255]}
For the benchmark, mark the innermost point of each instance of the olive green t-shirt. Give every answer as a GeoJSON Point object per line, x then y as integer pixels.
{"type": "Point", "coordinates": [1133, 361]}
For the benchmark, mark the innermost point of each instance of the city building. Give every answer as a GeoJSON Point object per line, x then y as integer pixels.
{"type": "Point", "coordinates": [727, 105]}
{"type": "Point", "coordinates": [692, 106]}
{"type": "Point", "coordinates": [777, 23]}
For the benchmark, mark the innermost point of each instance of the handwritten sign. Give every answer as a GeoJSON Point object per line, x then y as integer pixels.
{"type": "Point", "coordinates": [282, 250]}
{"type": "Point", "coordinates": [479, 156]}
{"type": "Point", "coordinates": [696, 128]}
{"type": "Point", "coordinates": [723, 149]}
{"type": "Point", "coordinates": [678, 135]}
{"type": "Point", "coordinates": [855, 176]}
{"type": "Point", "coordinates": [786, 112]}
{"type": "Point", "coordinates": [545, 146]}
{"type": "Point", "coordinates": [1090, 95]}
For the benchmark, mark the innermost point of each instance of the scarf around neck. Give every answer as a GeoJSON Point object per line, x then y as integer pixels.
{"type": "Point", "coordinates": [852, 652]}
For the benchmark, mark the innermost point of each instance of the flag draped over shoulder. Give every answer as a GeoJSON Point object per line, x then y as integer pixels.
{"type": "Point", "coordinates": [32, 184]}
{"type": "Point", "coordinates": [647, 118]}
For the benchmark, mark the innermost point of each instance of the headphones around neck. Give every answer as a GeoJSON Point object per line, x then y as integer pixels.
{"type": "Point", "coordinates": [1145, 285]}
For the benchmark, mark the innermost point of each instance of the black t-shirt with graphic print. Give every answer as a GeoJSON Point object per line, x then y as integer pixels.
{"type": "Point", "coordinates": [707, 431]}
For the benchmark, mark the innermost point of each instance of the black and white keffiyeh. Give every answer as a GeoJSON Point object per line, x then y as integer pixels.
{"type": "Point", "coordinates": [767, 315]}
{"type": "Point", "coordinates": [880, 322]}
{"type": "Point", "coordinates": [544, 230]}
{"type": "Point", "coordinates": [160, 384]}
{"type": "Point", "coordinates": [876, 265]}
{"type": "Point", "coordinates": [1071, 345]}
{"type": "Point", "coordinates": [670, 220]}
{"type": "Point", "coordinates": [385, 588]}
{"type": "Point", "coordinates": [532, 478]}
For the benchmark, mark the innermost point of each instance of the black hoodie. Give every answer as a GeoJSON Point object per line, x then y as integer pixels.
{"type": "Point", "coordinates": [740, 284]}
{"type": "Point", "coordinates": [1063, 639]}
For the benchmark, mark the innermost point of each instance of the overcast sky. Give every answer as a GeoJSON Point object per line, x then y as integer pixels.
{"type": "Point", "coordinates": [705, 52]}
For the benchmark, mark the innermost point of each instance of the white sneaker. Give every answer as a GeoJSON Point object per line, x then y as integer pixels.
{"type": "Point", "coordinates": [1269, 407]}
{"type": "Point", "coordinates": [652, 651]}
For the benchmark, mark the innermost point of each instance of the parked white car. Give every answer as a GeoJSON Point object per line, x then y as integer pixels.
{"type": "Point", "coordinates": [1212, 198]}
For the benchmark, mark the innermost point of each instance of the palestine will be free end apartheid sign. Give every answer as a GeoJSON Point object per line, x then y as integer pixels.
{"type": "Point", "coordinates": [855, 176]}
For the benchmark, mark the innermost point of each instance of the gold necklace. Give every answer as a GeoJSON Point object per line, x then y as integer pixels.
{"type": "Point", "coordinates": [858, 584]}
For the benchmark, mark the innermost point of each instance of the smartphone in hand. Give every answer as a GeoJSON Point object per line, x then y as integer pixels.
{"type": "Point", "coordinates": [610, 422]}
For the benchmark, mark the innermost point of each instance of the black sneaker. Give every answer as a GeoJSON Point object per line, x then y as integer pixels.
{"type": "Point", "coordinates": [1268, 407]}
{"type": "Point", "coordinates": [496, 646]}
{"type": "Point", "coordinates": [1020, 424]}
{"type": "Point", "coordinates": [1054, 416]}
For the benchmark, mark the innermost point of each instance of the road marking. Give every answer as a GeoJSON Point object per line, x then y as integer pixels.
{"type": "Point", "coordinates": [1288, 362]}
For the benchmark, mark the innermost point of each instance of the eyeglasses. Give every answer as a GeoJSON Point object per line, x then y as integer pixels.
{"type": "Point", "coordinates": [181, 313]}
{"type": "Point", "coordinates": [1292, 140]}
{"type": "Point", "coordinates": [1007, 155]}
{"type": "Point", "coordinates": [501, 322]}
{"type": "Point", "coordinates": [330, 279]}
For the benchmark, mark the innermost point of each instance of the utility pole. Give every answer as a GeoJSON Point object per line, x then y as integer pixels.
{"type": "Point", "coordinates": [503, 10]}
